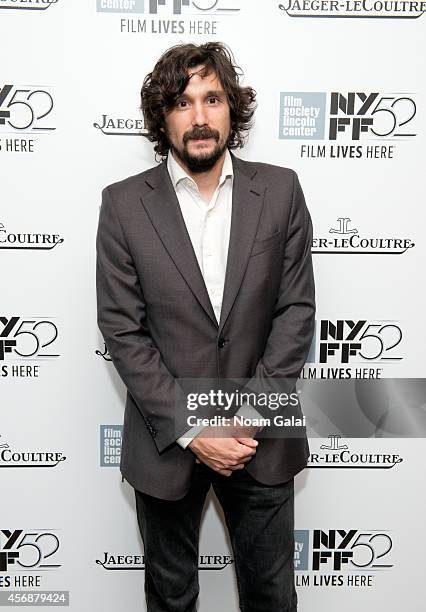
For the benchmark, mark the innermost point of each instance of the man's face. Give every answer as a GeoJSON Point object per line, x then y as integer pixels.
{"type": "Point", "coordinates": [198, 126]}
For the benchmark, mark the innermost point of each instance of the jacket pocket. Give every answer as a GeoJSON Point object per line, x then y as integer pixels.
{"type": "Point", "coordinates": [265, 244]}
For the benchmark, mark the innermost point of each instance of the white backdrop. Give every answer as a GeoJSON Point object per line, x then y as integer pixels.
{"type": "Point", "coordinates": [71, 72]}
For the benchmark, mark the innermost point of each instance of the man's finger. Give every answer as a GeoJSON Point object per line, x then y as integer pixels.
{"type": "Point", "coordinates": [245, 451]}
{"type": "Point", "coordinates": [247, 441]}
{"type": "Point", "coordinates": [246, 459]}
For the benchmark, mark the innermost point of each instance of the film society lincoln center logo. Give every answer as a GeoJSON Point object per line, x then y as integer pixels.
{"type": "Point", "coordinates": [351, 123]}
{"type": "Point", "coordinates": [162, 17]}
{"type": "Point", "coordinates": [110, 445]}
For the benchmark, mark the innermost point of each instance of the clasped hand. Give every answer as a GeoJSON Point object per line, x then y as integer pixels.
{"type": "Point", "coordinates": [225, 448]}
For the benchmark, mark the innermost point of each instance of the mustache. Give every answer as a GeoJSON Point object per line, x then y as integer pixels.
{"type": "Point", "coordinates": [201, 134]}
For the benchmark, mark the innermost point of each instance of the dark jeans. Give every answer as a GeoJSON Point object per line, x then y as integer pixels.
{"type": "Point", "coordinates": [260, 521]}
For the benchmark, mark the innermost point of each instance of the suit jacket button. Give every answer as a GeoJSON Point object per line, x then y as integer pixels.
{"type": "Point", "coordinates": [221, 343]}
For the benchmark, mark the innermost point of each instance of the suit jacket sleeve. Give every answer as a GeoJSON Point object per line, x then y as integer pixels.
{"type": "Point", "coordinates": [292, 328]}
{"type": "Point", "coordinates": [122, 321]}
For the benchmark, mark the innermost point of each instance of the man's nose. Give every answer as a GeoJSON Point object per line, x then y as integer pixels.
{"type": "Point", "coordinates": [199, 116]}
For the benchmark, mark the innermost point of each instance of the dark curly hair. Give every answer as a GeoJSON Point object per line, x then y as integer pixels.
{"type": "Point", "coordinates": [169, 78]}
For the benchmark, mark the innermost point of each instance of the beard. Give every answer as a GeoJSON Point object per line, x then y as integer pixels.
{"type": "Point", "coordinates": [201, 162]}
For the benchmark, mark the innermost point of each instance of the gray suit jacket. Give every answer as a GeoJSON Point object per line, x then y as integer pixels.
{"type": "Point", "coordinates": [158, 323]}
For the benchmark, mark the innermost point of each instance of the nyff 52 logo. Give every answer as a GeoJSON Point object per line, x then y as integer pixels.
{"type": "Point", "coordinates": [26, 108]}
{"type": "Point", "coordinates": [27, 550]}
{"type": "Point", "coordinates": [353, 116]}
{"type": "Point", "coordinates": [25, 338]}
{"type": "Point", "coordinates": [347, 340]}
{"type": "Point", "coordinates": [342, 549]}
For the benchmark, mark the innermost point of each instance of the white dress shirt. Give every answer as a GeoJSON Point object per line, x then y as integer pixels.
{"type": "Point", "coordinates": [209, 226]}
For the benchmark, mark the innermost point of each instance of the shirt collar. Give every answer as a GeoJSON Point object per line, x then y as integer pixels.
{"type": "Point", "coordinates": [177, 173]}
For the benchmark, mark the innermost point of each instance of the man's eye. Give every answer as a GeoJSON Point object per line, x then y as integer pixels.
{"type": "Point", "coordinates": [181, 103]}
{"type": "Point", "coordinates": [213, 99]}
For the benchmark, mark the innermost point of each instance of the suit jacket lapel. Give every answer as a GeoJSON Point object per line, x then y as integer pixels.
{"type": "Point", "coordinates": [247, 203]}
{"type": "Point", "coordinates": [162, 207]}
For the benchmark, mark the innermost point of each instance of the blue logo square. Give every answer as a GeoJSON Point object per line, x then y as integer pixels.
{"type": "Point", "coordinates": [302, 115]}
{"type": "Point", "coordinates": [301, 549]}
{"type": "Point", "coordinates": [111, 436]}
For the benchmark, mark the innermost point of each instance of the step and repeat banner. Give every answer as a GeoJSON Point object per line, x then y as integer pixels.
{"type": "Point", "coordinates": [341, 100]}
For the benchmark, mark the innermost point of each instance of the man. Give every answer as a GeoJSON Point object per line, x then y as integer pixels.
{"type": "Point", "coordinates": [204, 271]}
